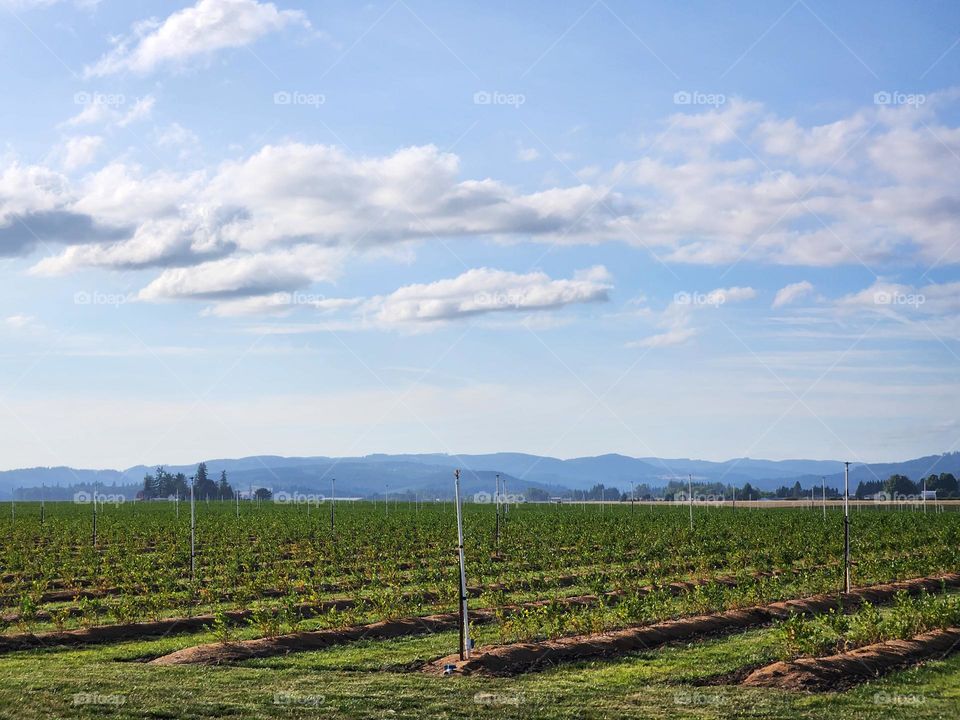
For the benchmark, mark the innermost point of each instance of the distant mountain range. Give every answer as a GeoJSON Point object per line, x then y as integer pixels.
{"type": "Point", "coordinates": [431, 474]}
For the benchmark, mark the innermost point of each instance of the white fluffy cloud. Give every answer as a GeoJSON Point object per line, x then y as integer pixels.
{"type": "Point", "coordinates": [478, 291]}
{"type": "Point", "coordinates": [483, 290]}
{"type": "Point", "coordinates": [792, 292]}
{"type": "Point", "coordinates": [200, 30]}
{"type": "Point", "coordinates": [81, 150]}
{"type": "Point", "coordinates": [286, 205]}
{"type": "Point", "coordinates": [288, 215]}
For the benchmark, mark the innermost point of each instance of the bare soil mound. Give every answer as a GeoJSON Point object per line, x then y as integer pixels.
{"type": "Point", "coordinates": [217, 653]}
{"type": "Point", "coordinates": [844, 670]}
{"type": "Point", "coordinates": [518, 658]}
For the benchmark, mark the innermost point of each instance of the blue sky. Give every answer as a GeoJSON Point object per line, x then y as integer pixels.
{"type": "Point", "coordinates": [232, 227]}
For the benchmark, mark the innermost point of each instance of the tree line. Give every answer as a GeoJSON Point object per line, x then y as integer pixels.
{"type": "Point", "coordinates": [945, 484]}
{"type": "Point", "coordinates": [163, 484]}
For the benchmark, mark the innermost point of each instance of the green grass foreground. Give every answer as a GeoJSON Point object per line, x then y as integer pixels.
{"type": "Point", "coordinates": [375, 680]}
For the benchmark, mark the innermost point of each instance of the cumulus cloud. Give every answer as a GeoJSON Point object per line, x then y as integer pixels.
{"type": "Point", "coordinates": [293, 212]}
{"type": "Point", "coordinates": [303, 196]}
{"type": "Point", "coordinates": [243, 275]}
{"type": "Point", "coordinates": [478, 291]}
{"type": "Point", "coordinates": [197, 31]}
{"type": "Point", "coordinates": [822, 145]}
{"type": "Point", "coordinates": [81, 150]}
{"type": "Point", "coordinates": [792, 292]}
{"type": "Point", "coordinates": [483, 290]}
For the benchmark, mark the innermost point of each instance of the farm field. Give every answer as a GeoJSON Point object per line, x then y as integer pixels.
{"type": "Point", "coordinates": [300, 620]}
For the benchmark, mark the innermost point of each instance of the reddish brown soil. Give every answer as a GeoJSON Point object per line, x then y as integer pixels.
{"type": "Point", "coordinates": [844, 670]}
{"type": "Point", "coordinates": [524, 657]}
{"type": "Point", "coordinates": [218, 653]}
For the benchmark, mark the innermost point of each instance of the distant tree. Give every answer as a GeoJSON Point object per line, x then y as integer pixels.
{"type": "Point", "coordinates": [947, 485]}
{"type": "Point", "coordinates": [204, 487]}
{"type": "Point", "coordinates": [869, 488]}
{"type": "Point", "coordinates": [262, 494]}
{"type": "Point", "coordinates": [150, 487]}
{"type": "Point", "coordinates": [165, 483]}
{"type": "Point", "coordinates": [224, 491]}
{"type": "Point", "coordinates": [180, 487]}
{"type": "Point", "coordinates": [747, 492]}
{"type": "Point", "coordinates": [535, 494]}
{"type": "Point", "coordinates": [899, 485]}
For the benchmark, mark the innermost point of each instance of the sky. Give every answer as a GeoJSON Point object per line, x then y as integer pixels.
{"type": "Point", "coordinates": [710, 230]}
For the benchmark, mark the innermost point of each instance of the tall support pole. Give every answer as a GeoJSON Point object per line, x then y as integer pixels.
{"type": "Point", "coordinates": [43, 495]}
{"type": "Point", "coordinates": [333, 504]}
{"type": "Point", "coordinates": [193, 532]}
{"type": "Point", "coordinates": [236, 496]}
{"type": "Point", "coordinates": [823, 482]}
{"type": "Point", "coordinates": [464, 620]}
{"type": "Point", "coordinates": [734, 497]}
{"type": "Point", "coordinates": [496, 508]}
{"type": "Point", "coordinates": [94, 515]}
{"type": "Point", "coordinates": [690, 497]}
{"type": "Point", "coordinates": [924, 494]}
{"type": "Point", "coordinates": [846, 527]}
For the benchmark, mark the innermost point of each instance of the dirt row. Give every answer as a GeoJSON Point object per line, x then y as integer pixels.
{"type": "Point", "coordinates": [844, 670]}
{"type": "Point", "coordinates": [219, 653]}
{"type": "Point", "coordinates": [102, 634]}
{"type": "Point", "coordinates": [518, 658]}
